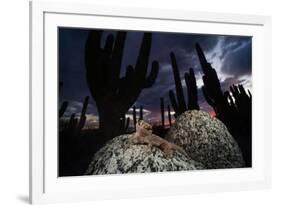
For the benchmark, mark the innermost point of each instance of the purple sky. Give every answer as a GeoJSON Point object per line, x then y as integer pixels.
{"type": "Point", "coordinates": [231, 56]}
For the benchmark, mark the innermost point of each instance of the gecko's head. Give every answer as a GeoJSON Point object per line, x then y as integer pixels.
{"type": "Point", "coordinates": [144, 127]}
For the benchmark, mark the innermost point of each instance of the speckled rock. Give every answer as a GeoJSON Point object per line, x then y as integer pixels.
{"type": "Point", "coordinates": [206, 140]}
{"type": "Point", "coordinates": [119, 156]}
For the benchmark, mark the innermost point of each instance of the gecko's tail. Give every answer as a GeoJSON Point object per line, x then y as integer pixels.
{"type": "Point", "coordinates": [180, 150]}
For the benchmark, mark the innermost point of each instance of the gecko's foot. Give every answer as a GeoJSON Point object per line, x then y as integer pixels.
{"type": "Point", "coordinates": [131, 141]}
{"type": "Point", "coordinates": [136, 141]}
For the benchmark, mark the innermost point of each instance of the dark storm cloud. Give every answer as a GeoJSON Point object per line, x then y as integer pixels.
{"type": "Point", "coordinates": [229, 55]}
{"type": "Point", "coordinates": [238, 60]}
{"type": "Point", "coordinates": [232, 43]}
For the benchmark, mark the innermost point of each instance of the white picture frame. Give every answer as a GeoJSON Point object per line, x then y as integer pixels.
{"type": "Point", "coordinates": [46, 187]}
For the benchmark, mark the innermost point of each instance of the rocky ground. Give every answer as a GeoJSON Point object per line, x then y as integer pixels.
{"type": "Point", "coordinates": [205, 139]}
{"type": "Point", "coordinates": [119, 156]}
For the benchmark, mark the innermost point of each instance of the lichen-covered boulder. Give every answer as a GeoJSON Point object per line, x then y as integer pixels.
{"type": "Point", "coordinates": [119, 156]}
{"type": "Point", "coordinates": [206, 140]}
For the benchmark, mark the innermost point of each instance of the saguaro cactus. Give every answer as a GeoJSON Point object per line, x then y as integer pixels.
{"type": "Point", "coordinates": [75, 124]}
{"type": "Point", "coordinates": [134, 116]}
{"type": "Point", "coordinates": [169, 116]}
{"type": "Point", "coordinates": [124, 123]}
{"type": "Point", "coordinates": [83, 117]}
{"type": "Point", "coordinates": [63, 108]}
{"type": "Point", "coordinates": [162, 112]}
{"type": "Point", "coordinates": [141, 113]}
{"type": "Point", "coordinates": [72, 124]}
{"type": "Point", "coordinates": [64, 104]}
{"type": "Point", "coordinates": [211, 88]}
{"type": "Point", "coordinates": [114, 95]}
{"type": "Point", "coordinates": [191, 90]}
{"type": "Point", "coordinates": [178, 103]}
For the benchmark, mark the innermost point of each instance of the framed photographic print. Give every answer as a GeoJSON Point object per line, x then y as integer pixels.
{"type": "Point", "coordinates": [130, 102]}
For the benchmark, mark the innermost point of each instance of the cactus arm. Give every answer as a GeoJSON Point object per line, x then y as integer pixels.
{"type": "Point", "coordinates": [193, 87]}
{"type": "Point", "coordinates": [108, 45]}
{"type": "Point", "coordinates": [143, 58]}
{"type": "Point", "coordinates": [162, 112]}
{"type": "Point", "coordinates": [230, 98]}
{"type": "Point", "coordinates": [85, 105]}
{"type": "Point", "coordinates": [249, 94]}
{"type": "Point", "coordinates": [122, 125]}
{"type": "Point", "coordinates": [129, 73]}
{"type": "Point", "coordinates": [93, 56]}
{"type": "Point", "coordinates": [191, 90]}
{"type": "Point", "coordinates": [93, 45]}
{"type": "Point", "coordinates": [242, 90]}
{"type": "Point", "coordinates": [63, 108]}
{"type": "Point", "coordinates": [141, 113]}
{"type": "Point", "coordinates": [134, 116]}
{"type": "Point", "coordinates": [72, 123]}
{"type": "Point", "coordinates": [81, 124]}
{"type": "Point", "coordinates": [128, 79]}
{"type": "Point", "coordinates": [92, 49]}
{"type": "Point", "coordinates": [149, 81]}
{"type": "Point", "coordinates": [169, 116]}
{"type": "Point", "coordinates": [117, 55]}
{"type": "Point", "coordinates": [231, 89]}
{"type": "Point", "coordinates": [64, 105]}
{"type": "Point", "coordinates": [235, 92]}
{"type": "Point", "coordinates": [202, 59]}
{"type": "Point", "coordinates": [83, 117]}
{"type": "Point", "coordinates": [236, 89]}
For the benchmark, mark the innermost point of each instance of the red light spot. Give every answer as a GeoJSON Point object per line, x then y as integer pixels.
{"type": "Point", "coordinates": [213, 114]}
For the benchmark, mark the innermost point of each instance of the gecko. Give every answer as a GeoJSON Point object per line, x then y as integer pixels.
{"type": "Point", "coordinates": [144, 135]}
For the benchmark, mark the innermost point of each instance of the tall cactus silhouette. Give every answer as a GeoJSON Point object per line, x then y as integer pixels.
{"type": "Point", "coordinates": [75, 124]}
{"type": "Point", "coordinates": [124, 123]}
{"type": "Point", "coordinates": [141, 113]}
{"type": "Point", "coordinates": [83, 117]}
{"type": "Point", "coordinates": [162, 112]}
{"type": "Point", "coordinates": [211, 88]}
{"type": "Point", "coordinates": [134, 116]}
{"type": "Point", "coordinates": [72, 123]}
{"type": "Point", "coordinates": [235, 110]}
{"type": "Point", "coordinates": [169, 116]}
{"type": "Point", "coordinates": [64, 104]}
{"type": "Point", "coordinates": [114, 95]}
{"type": "Point", "coordinates": [178, 103]}
{"type": "Point", "coordinates": [191, 90]}
{"type": "Point", "coordinates": [212, 91]}
{"type": "Point", "coordinates": [63, 108]}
